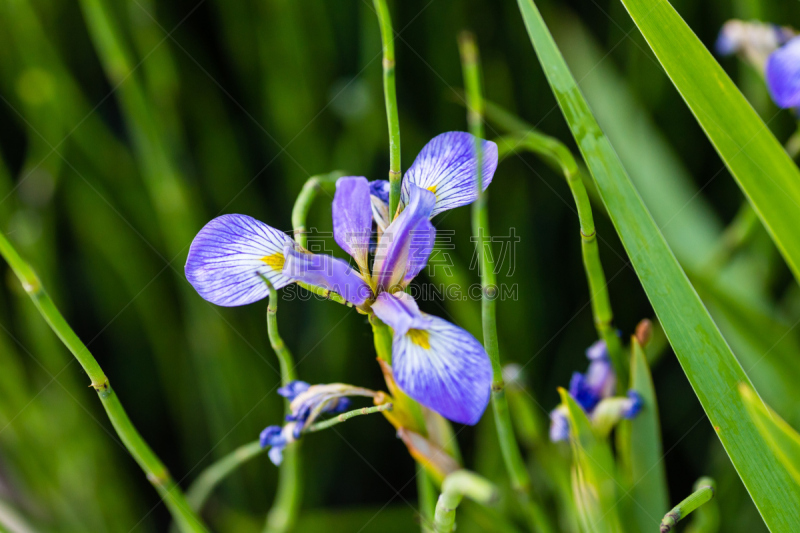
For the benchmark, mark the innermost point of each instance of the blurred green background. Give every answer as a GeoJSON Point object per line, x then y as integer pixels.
{"type": "Point", "coordinates": [128, 125]}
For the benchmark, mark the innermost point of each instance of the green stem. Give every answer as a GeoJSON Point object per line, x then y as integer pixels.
{"type": "Point", "coordinates": [344, 417]}
{"type": "Point", "coordinates": [155, 470]}
{"type": "Point", "coordinates": [557, 153]}
{"type": "Point", "coordinates": [427, 498]}
{"type": "Point", "coordinates": [206, 482]}
{"type": "Point", "coordinates": [285, 358]}
{"type": "Point", "coordinates": [704, 491]}
{"type": "Point", "coordinates": [302, 205]}
{"type": "Point", "coordinates": [512, 456]}
{"type": "Point", "coordinates": [390, 95]}
{"type": "Point", "coordinates": [283, 514]}
{"type": "Point", "coordinates": [455, 486]}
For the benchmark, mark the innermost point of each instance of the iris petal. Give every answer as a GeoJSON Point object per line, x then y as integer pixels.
{"type": "Point", "coordinates": [352, 218]}
{"type": "Point", "coordinates": [405, 246]}
{"type": "Point", "coordinates": [228, 257]}
{"type": "Point", "coordinates": [783, 74]}
{"type": "Point", "coordinates": [400, 312]}
{"type": "Point", "coordinates": [327, 272]}
{"type": "Point", "coordinates": [447, 167]}
{"type": "Point", "coordinates": [444, 368]}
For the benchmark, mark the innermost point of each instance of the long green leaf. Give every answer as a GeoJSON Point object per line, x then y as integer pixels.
{"type": "Point", "coordinates": [641, 449]}
{"type": "Point", "coordinates": [780, 435]}
{"type": "Point", "coordinates": [594, 482]}
{"type": "Point", "coordinates": [713, 371]}
{"type": "Point", "coordinates": [761, 166]}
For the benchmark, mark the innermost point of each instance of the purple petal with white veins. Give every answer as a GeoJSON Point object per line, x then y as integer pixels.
{"type": "Point", "coordinates": [228, 257]}
{"type": "Point", "coordinates": [447, 167]}
{"type": "Point", "coordinates": [327, 272]}
{"type": "Point", "coordinates": [400, 312]}
{"type": "Point", "coordinates": [783, 74]}
{"type": "Point", "coordinates": [405, 246]}
{"type": "Point", "coordinates": [444, 368]}
{"type": "Point", "coordinates": [352, 218]}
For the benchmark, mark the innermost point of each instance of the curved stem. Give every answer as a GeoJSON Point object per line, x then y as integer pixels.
{"type": "Point", "coordinates": [283, 514]}
{"type": "Point", "coordinates": [156, 472]}
{"type": "Point", "coordinates": [344, 417]}
{"type": "Point", "coordinates": [206, 482]}
{"type": "Point", "coordinates": [555, 152]}
{"type": "Point", "coordinates": [390, 95]}
{"type": "Point", "coordinates": [302, 205]}
{"type": "Point", "coordinates": [455, 486]}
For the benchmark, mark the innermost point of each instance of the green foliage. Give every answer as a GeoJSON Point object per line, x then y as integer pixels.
{"type": "Point", "coordinates": [708, 362]}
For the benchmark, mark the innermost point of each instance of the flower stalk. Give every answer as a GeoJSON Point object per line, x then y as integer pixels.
{"type": "Point", "coordinates": [480, 226]}
{"type": "Point", "coordinates": [390, 95]}
{"type": "Point", "coordinates": [156, 471]}
{"type": "Point", "coordinates": [344, 417]}
{"type": "Point", "coordinates": [302, 205]}
{"type": "Point", "coordinates": [454, 488]}
{"type": "Point", "coordinates": [704, 491]}
{"type": "Point", "coordinates": [283, 514]}
{"type": "Point", "coordinates": [555, 152]}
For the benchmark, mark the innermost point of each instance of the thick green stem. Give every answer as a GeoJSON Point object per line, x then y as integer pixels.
{"type": "Point", "coordinates": [302, 205]}
{"type": "Point", "coordinates": [427, 498]}
{"type": "Point", "coordinates": [512, 456]}
{"type": "Point", "coordinates": [390, 95]}
{"type": "Point", "coordinates": [558, 154]}
{"type": "Point", "coordinates": [283, 514]}
{"type": "Point", "coordinates": [703, 492]}
{"type": "Point", "coordinates": [455, 486]}
{"type": "Point", "coordinates": [155, 470]}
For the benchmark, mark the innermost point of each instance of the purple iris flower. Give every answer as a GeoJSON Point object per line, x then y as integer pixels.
{"type": "Point", "coordinates": [437, 363]}
{"type": "Point", "coordinates": [591, 389]}
{"type": "Point", "coordinates": [783, 74]}
{"type": "Point", "coordinates": [307, 403]}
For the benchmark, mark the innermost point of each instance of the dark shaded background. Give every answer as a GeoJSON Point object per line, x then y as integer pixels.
{"type": "Point", "coordinates": [110, 165]}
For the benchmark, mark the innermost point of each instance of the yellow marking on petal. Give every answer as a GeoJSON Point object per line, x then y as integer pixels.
{"type": "Point", "coordinates": [432, 188]}
{"type": "Point", "coordinates": [420, 337]}
{"type": "Point", "coordinates": [274, 261]}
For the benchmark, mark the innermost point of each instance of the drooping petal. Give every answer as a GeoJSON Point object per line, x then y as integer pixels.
{"type": "Point", "coordinates": [327, 272]}
{"type": "Point", "coordinates": [400, 312]}
{"type": "Point", "coordinates": [405, 246]}
{"type": "Point", "coordinates": [447, 167]}
{"type": "Point", "coordinates": [783, 74]}
{"type": "Point", "coordinates": [228, 257]}
{"type": "Point", "coordinates": [352, 218]}
{"type": "Point", "coordinates": [444, 368]}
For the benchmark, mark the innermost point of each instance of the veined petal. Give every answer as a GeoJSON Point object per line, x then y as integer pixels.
{"type": "Point", "coordinates": [783, 74]}
{"type": "Point", "coordinates": [352, 218]}
{"type": "Point", "coordinates": [447, 167]}
{"type": "Point", "coordinates": [326, 272]}
{"type": "Point", "coordinates": [400, 312]}
{"type": "Point", "coordinates": [230, 254]}
{"type": "Point", "coordinates": [405, 246]}
{"type": "Point", "coordinates": [444, 368]}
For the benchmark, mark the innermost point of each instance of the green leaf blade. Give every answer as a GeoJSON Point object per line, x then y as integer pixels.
{"type": "Point", "coordinates": [642, 452]}
{"type": "Point", "coordinates": [758, 162]}
{"type": "Point", "coordinates": [780, 435]}
{"type": "Point", "coordinates": [711, 367]}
